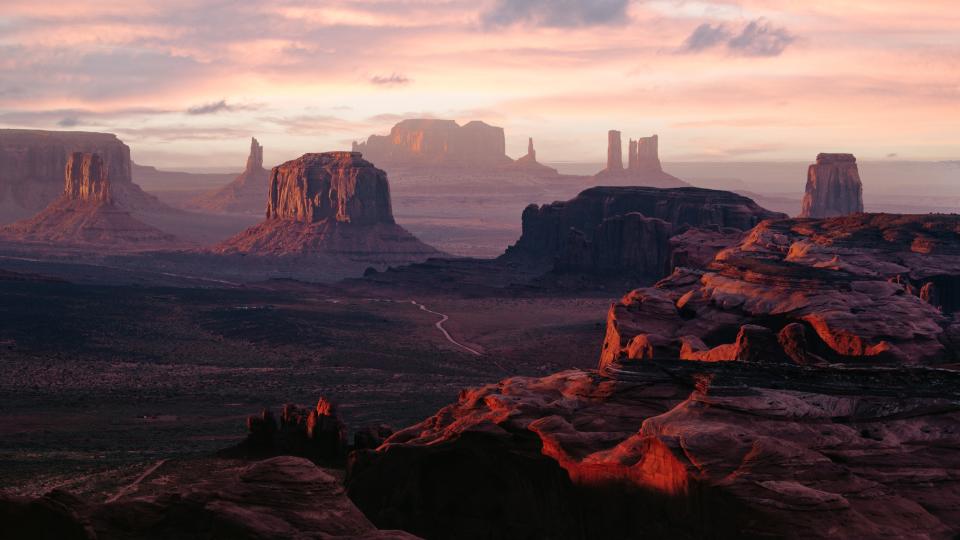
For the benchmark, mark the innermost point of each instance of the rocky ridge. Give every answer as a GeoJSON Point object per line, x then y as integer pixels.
{"type": "Point", "coordinates": [245, 194]}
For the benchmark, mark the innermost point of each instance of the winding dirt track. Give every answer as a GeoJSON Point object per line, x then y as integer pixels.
{"type": "Point", "coordinates": [439, 324]}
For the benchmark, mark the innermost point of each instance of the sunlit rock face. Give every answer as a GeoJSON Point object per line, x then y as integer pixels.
{"type": "Point", "coordinates": [437, 142]}
{"type": "Point", "coordinates": [609, 230]}
{"type": "Point", "coordinates": [338, 186]}
{"type": "Point", "coordinates": [86, 213]}
{"type": "Point", "coordinates": [833, 187]}
{"type": "Point", "coordinates": [861, 289]}
{"type": "Point", "coordinates": [679, 449]}
{"type": "Point", "coordinates": [86, 179]}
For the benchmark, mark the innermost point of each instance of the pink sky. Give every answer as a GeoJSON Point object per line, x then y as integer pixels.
{"type": "Point", "coordinates": [186, 83]}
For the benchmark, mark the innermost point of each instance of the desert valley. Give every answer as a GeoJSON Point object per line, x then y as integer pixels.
{"type": "Point", "coordinates": [461, 324]}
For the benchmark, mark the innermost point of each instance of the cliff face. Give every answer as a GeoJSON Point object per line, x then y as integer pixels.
{"type": "Point", "coordinates": [437, 142]}
{"type": "Point", "coordinates": [87, 179]}
{"type": "Point", "coordinates": [833, 187]}
{"type": "Point", "coordinates": [546, 229]}
{"type": "Point", "coordinates": [245, 194]}
{"type": "Point", "coordinates": [624, 243]}
{"type": "Point", "coordinates": [337, 186]}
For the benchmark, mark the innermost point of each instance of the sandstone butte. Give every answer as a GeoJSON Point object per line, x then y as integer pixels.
{"type": "Point", "coordinates": [87, 214]}
{"type": "Point", "coordinates": [802, 385]}
{"type": "Point", "coordinates": [833, 187]}
{"type": "Point", "coordinates": [32, 163]}
{"type": "Point", "coordinates": [333, 203]}
{"type": "Point", "coordinates": [245, 194]}
{"type": "Point", "coordinates": [643, 163]}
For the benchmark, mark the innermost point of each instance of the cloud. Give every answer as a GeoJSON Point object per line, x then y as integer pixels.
{"type": "Point", "coordinates": [556, 13]}
{"type": "Point", "coordinates": [211, 108]}
{"type": "Point", "coordinates": [706, 36]}
{"type": "Point", "coordinates": [69, 121]}
{"type": "Point", "coordinates": [760, 38]}
{"type": "Point", "coordinates": [756, 38]}
{"type": "Point", "coordinates": [393, 79]}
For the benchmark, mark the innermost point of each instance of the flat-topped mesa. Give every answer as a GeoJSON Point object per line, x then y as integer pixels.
{"type": "Point", "coordinates": [428, 141]}
{"type": "Point", "coordinates": [614, 151]}
{"type": "Point", "coordinates": [833, 187]}
{"type": "Point", "coordinates": [87, 179]}
{"type": "Point", "coordinates": [255, 159]}
{"type": "Point", "coordinates": [335, 186]}
{"type": "Point", "coordinates": [546, 228]}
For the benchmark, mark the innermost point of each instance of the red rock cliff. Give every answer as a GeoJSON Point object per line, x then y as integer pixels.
{"type": "Point", "coordinates": [86, 178]}
{"type": "Point", "coordinates": [437, 142]}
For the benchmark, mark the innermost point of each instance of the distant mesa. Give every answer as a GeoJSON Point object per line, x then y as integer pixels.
{"type": "Point", "coordinates": [630, 230]}
{"type": "Point", "coordinates": [332, 203]}
{"type": "Point", "coordinates": [86, 213]}
{"type": "Point", "coordinates": [643, 163]}
{"type": "Point", "coordinates": [32, 164]}
{"type": "Point", "coordinates": [833, 187]}
{"type": "Point", "coordinates": [428, 142]}
{"type": "Point", "coordinates": [245, 194]}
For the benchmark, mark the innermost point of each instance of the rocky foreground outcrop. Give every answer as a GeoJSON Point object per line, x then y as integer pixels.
{"type": "Point", "coordinates": [245, 194]}
{"type": "Point", "coordinates": [677, 449]}
{"type": "Point", "coordinates": [428, 141]}
{"type": "Point", "coordinates": [86, 214]}
{"type": "Point", "coordinates": [278, 498]}
{"type": "Point", "coordinates": [618, 230]}
{"type": "Point", "coordinates": [333, 203]}
{"type": "Point", "coordinates": [848, 290]}
{"type": "Point", "coordinates": [833, 187]}
{"type": "Point", "coordinates": [32, 164]}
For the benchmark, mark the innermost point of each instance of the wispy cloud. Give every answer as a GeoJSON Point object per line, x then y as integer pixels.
{"type": "Point", "coordinates": [556, 13]}
{"type": "Point", "coordinates": [393, 79]}
{"type": "Point", "coordinates": [756, 38]}
{"type": "Point", "coordinates": [218, 107]}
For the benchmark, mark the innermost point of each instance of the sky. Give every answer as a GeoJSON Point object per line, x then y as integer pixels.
{"type": "Point", "coordinates": [186, 83]}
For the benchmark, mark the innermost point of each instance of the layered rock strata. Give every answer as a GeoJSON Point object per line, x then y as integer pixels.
{"type": "Point", "coordinates": [867, 288]}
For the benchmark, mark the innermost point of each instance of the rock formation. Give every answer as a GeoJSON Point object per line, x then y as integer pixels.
{"type": "Point", "coordinates": [282, 497]}
{"type": "Point", "coordinates": [677, 449]}
{"type": "Point", "coordinates": [643, 164]}
{"type": "Point", "coordinates": [833, 187]}
{"type": "Point", "coordinates": [614, 151]}
{"type": "Point", "coordinates": [609, 230]}
{"type": "Point", "coordinates": [314, 433]}
{"type": "Point", "coordinates": [437, 142]}
{"type": "Point", "coordinates": [245, 194]}
{"type": "Point", "coordinates": [86, 213]}
{"type": "Point", "coordinates": [32, 163]}
{"type": "Point", "coordinates": [530, 165]}
{"type": "Point", "coordinates": [856, 289]}
{"type": "Point", "coordinates": [334, 203]}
